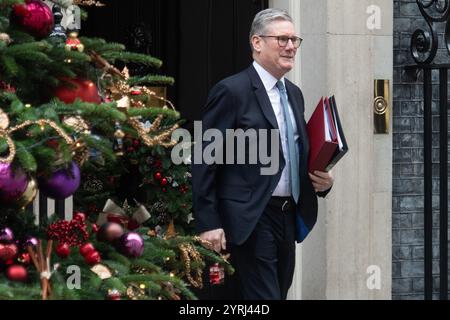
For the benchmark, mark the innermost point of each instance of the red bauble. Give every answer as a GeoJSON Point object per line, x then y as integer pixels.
{"type": "Point", "coordinates": [17, 273]}
{"type": "Point", "coordinates": [63, 250]}
{"type": "Point", "coordinates": [8, 251]}
{"type": "Point", "coordinates": [95, 228]}
{"type": "Point", "coordinates": [92, 258]}
{"type": "Point", "coordinates": [86, 248]}
{"type": "Point", "coordinates": [158, 176]}
{"type": "Point", "coordinates": [34, 16]}
{"type": "Point", "coordinates": [164, 182]}
{"type": "Point", "coordinates": [79, 216]}
{"type": "Point", "coordinates": [85, 90]}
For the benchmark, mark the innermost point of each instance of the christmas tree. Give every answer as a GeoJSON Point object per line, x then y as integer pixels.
{"type": "Point", "coordinates": [73, 124]}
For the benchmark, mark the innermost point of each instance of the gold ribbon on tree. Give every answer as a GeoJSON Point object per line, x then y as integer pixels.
{"type": "Point", "coordinates": [5, 132]}
{"type": "Point", "coordinates": [121, 92]}
{"type": "Point", "coordinates": [189, 253]}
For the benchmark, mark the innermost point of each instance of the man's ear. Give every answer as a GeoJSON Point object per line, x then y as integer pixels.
{"type": "Point", "coordinates": [256, 42]}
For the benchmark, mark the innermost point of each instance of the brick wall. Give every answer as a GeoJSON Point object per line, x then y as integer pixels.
{"type": "Point", "coordinates": [408, 201]}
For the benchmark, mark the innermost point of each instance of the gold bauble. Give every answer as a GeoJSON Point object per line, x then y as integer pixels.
{"type": "Point", "coordinates": [29, 194]}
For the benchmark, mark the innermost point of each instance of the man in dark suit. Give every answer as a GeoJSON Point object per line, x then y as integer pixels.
{"type": "Point", "coordinates": [258, 217]}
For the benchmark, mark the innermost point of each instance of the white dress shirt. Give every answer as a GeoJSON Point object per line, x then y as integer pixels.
{"type": "Point", "coordinates": [283, 188]}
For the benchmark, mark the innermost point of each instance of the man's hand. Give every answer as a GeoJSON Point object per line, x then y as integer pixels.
{"type": "Point", "coordinates": [216, 238]}
{"type": "Point", "coordinates": [321, 181]}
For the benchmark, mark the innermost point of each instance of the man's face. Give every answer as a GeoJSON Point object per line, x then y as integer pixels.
{"type": "Point", "coordinates": [274, 58]}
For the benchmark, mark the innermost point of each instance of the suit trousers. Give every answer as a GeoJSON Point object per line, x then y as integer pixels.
{"type": "Point", "coordinates": [265, 262]}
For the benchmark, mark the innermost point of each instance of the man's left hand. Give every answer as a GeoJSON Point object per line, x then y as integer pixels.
{"type": "Point", "coordinates": [321, 181]}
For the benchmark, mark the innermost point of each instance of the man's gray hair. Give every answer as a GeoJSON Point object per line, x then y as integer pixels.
{"type": "Point", "coordinates": [264, 18]}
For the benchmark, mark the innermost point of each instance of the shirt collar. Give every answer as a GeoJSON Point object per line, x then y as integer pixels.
{"type": "Point", "coordinates": [267, 79]}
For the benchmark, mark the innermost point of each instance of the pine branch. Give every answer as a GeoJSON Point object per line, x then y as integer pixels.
{"type": "Point", "coordinates": [151, 79]}
{"type": "Point", "coordinates": [133, 57]}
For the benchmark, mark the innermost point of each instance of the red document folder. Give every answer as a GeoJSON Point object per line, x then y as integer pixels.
{"type": "Point", "coordinates": [322, 137]}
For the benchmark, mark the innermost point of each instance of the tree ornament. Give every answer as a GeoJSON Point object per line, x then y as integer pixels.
{"type": "Point", "coordinates": [62, 183]}
{"type": "Point", "coordinates": [6, 236]}
{"type": "Point", "coordinates": [4, 37]}
{"type": "Point", "coordinates": [73, 43]}
{"type": "Point", "coordinates": [34, 16]}
{"type": "Point", "coordinates": [17, 272]}
{"type": "Point", "coordinates": [31, 242]}
{"type": "Point", "coordinates": [216, 274]}
{"type": "Point", "coordinates": [102, 271]}
{"type": "Point", "coordinates": [28, 195]}
{"type": "Point", "coordinates": [113, 294]}
{"type": "Point", "coordinates": [94, 228]}
{"type": "Point", "coordinates": [42, 264]}
{"type": "Point", "coordinates": [92, 258]}
{"type": "Point", "coordinates": [63, 250]}
{"type": "Point", "coordinates": [73, 232]}
{"type": "Point", "coordinates": [189, 252]}
{"type": "Point", "coordinates": [77, 88]}
{"type": "Point", "coordinates": [58, 32]}
{"type": "Point", "coordinates": [13, 183]}
{"type": "Point", "coordinates": [79, 216]}
{"type": "Point", "coordinates": [8, 251]}
{"type": "Point", "coordinates": [133, 224]}
{"type": "Point", "coordinates": [131, 244]}
{"type": "Point", "coordinates": [109, 232]}
{"type": "Point", "coordinates": [24, 258]}
{"type": "Point", "coordinates": [86, 249]}
{"type": "Point", "coordinates": [164, 182]}
{"type": "Point", "coordinates": [158, 176]}
{"type": "Point", "coordinates": [93, 185]}
{"type": "Point", "coordinates": [118, 139]}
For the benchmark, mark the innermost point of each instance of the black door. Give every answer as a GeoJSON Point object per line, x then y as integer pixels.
{"type": "Point", "coordinates": [199, 41]}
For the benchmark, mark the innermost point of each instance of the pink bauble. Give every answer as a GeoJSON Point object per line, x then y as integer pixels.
{"type": "Point", "coordinates": [12, 184]}
{"type": "Point", "coordinates": [62, 183]}
{"type": "Point", "coordinates": [34, 16]}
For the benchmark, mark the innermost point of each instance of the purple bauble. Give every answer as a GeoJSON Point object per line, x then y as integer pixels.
{"type": "Point", "coordinates": [31, 241]}
{"type": "Point", "coordinates": [12, 183]}
{"type": "Point", "coordinates": [6, 235]}
{"type": "Point", "coordinates": [131, 244]}
{"type": "Point", "coordinates": [62, 184]}
{"type": "Point", "coordinates": [35, 17]}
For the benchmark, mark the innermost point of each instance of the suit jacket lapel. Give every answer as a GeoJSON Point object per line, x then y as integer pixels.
{"type": "Point", "coordinates": [263, 98]}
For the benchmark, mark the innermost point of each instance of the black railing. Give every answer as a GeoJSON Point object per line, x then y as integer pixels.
{"type": "Point", "coordinates": [424, 47]}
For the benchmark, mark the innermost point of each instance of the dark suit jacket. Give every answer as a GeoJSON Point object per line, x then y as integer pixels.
{"type": "Point", "coordinates": [233, 196]}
